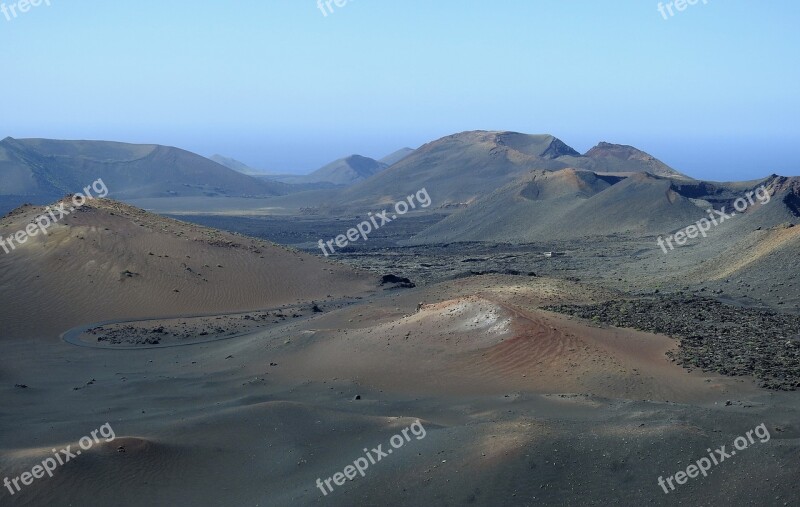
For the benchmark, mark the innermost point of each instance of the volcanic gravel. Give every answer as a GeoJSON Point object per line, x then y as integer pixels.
{"type": "Point", "coordinates": [713, 336]}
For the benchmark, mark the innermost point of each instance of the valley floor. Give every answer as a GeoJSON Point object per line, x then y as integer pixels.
{"type": "Point", "coordinates": [519, 405]}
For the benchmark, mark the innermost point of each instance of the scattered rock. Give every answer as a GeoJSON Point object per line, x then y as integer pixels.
{"type": "Point", "coordinates": [397, 282]}
{"type": "Point", "coordinates": [393, 279]}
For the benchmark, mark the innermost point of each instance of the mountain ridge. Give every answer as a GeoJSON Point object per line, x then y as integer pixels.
{"type": "Point", "coordinates": [463, 167]}
{"type": "Point", "coordinates": [39, 170]}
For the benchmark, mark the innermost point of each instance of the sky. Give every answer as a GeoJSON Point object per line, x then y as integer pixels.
{"type": "Point", "coordinates": [713, 91]}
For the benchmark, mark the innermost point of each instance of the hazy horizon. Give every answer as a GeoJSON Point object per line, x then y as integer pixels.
{"type": "Point", "coordinates": [692, 163]}
{"type": "Point", "coordinates": [284, 88]}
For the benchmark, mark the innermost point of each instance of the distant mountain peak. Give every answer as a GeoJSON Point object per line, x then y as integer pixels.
{"type": "Point", "coordinates": [10, 141]}
{"type": "Point", "coordinates": [232, 163]}
{"type": "Point", "coordinates": [542, 146]}
{"type": "Point", "coordinates": [620, 156]}
{"type": "Point", "coordinates": [539, 145]}
{"type": "Point", "coordinates": [396, 156]}
{"type": "Point", "coordinates": [344, 171]}
{"type": "Point", "coordinates": [621, 151]}
{"type": "Point", "coordinates": [559, 148]}
{"type": "Point", "coordinates": [358, 158]}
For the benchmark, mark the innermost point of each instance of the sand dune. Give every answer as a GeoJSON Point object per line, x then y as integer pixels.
{"type": "Point", "coordinates": [482, 344]}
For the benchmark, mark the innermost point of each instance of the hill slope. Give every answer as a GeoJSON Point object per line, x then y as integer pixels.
{"type": "Point", "coordinates": [396, 156]}
{"type": "Point", "coordinates": [574, 203]}
{"type": "Point", "coordinates": [620, 158]}
{"type": "Point", "coordinates": [41, 170]}
{"type": "Point", "coordinates": [237, 166]}
{"type": "Point", "coordinates": [117, 261]}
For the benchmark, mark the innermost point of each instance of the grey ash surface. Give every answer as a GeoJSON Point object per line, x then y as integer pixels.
{"type": "Point", "coordinates": [740, 326]}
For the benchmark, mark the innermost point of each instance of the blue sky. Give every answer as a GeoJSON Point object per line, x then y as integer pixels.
{"type": "Point", "coordinates": [712, 91]}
